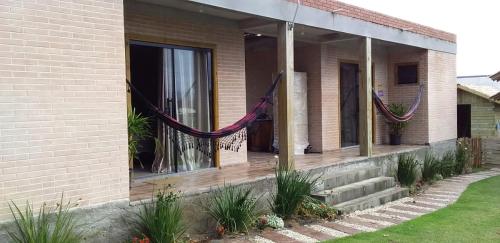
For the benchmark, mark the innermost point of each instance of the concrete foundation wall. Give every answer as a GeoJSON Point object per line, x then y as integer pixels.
{"type": "Point", "coordinates": [106, 222]}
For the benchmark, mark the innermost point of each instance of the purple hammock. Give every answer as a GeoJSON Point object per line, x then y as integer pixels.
{"type": "Point", "coordinates": [227, 138]}
{"type": "Point", "coordinates": [393, 117]}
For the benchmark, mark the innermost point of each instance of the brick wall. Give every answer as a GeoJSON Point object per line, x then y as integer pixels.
{"type": "Point", "coordinates": [378, 18]}
{"type": "Point", "coordinates": [442, 96]}
{"type": "Point", "coordinates": [62, 102]}
{"type": "Point", "coordinates": [157, 21]}
{"type": "Point", "coordinates": [417, 130]}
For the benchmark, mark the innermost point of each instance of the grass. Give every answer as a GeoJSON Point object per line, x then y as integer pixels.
{"type": "Point", "coordinates": [475, 217]}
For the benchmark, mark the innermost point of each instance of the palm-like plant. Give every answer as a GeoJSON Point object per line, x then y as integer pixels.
{"type": "Point", "coordinates": [50, 226]}
{"type": "Point", "coordinates": [138, 130]}
{"type": "Point", "coordinates": [161, 220]}
{"type": "Point", "coordinates": [234, 208]}
{"type": "Point", "coordinates": [430, 167]}
{"type": "Point", "coordinates": [397, 127]}
{"type": "Point", "coordinates": [407, 169]}
{"type": "Point", "coordinates": [292, 188]}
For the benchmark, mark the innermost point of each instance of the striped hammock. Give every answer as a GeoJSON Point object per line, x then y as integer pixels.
{"type": "Point", "coordinates": [227, 138]}
{"type": "Point", "coordinates": [391, 117]}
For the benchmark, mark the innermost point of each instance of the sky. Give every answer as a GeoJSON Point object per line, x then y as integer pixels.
{"type": "Point", "coordinates": [476, 24]}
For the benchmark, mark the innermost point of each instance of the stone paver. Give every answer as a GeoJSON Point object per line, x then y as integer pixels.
{"type": "Point", "coordinates": [437, 196]}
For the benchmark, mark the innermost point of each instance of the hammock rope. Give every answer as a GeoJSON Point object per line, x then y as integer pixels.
{"type": "Point", "coordinates": [229, 138]}
{"type": "Point", "coordinates": [393, 117]}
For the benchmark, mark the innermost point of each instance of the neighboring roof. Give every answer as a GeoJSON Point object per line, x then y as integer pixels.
{"type": "Point", "coordinates": [480, 85]}
{"type": "Point", "coordinates": [496, 76]}
{"type": "Point", "coordinates": [378, 18]}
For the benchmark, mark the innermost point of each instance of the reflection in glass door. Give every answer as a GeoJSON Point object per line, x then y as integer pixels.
{"type": "Point", "coordinates": [179, 80]}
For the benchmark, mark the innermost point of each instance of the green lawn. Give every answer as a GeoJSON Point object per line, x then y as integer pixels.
{"type": "Point", "coordinates": [475, 217]}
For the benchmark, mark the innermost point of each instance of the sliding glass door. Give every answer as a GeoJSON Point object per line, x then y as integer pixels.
{"type": "Point", "coordinates": [186, 94]}
{"type": "Point", "coordinates": [183, 85]}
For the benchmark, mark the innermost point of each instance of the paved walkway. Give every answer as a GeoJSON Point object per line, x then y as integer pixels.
{"type": "Point", "coordinates": [437, 196]}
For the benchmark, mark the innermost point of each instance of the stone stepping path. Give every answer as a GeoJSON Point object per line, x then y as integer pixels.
{"type": "Point", "coordinates": [438, 195]}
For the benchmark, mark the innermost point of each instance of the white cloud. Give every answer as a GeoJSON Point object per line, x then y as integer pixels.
{"type": "Point", "coordinates": [475, 23]}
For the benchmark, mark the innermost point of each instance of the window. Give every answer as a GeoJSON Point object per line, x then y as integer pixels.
{"type": "Point", "coordinates": [407, 73]}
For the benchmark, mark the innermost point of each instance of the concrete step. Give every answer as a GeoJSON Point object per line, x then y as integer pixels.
{"type": "Point", "coordinates": [355, 190]}
{"type": "Point", "coordinates": [373, 200]}
{"type": "Point", "coordinates": [349, 177]}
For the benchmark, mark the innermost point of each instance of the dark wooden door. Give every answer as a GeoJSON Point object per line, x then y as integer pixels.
{"type": "Point", "coordinates": [349, 104]}
{"type": "Point", "coordinates": [464, 121]}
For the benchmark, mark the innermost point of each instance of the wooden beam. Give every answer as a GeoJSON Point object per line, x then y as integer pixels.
{"type": "Point", "coordinates": [365, 98]}
{"type": "Point", "coordinates": [285, 96]}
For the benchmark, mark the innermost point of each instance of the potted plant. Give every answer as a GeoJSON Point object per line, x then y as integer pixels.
{"type": "Point", "coordinates": [396, 128]}
{"type": "Point", "coordinates": [138, 130]}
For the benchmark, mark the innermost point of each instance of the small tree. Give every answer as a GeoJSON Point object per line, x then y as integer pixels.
{"type": "Point", "coordinates": [396, 128]}
{"type": "Point", "coordinates": [138, 130]}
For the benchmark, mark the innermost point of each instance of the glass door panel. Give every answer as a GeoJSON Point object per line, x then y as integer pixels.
{"type": "Point", "coordinates": [186, 94]}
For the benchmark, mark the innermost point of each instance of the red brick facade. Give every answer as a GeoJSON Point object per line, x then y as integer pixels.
{"type": "Point", "coordinates": [377, 18]}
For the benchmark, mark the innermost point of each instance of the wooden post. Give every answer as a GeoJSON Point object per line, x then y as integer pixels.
{"type": "Point", "coordinates": [285, 96]}
{"type": "Point", "coordinates": [365, 99]}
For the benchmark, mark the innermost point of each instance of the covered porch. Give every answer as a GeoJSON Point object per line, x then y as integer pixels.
{"type": "Point", "coordinates": [242, 53]}
{"type": "Point", "coordinates": [259, 166]}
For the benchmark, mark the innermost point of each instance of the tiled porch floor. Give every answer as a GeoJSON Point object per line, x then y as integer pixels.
{"type": "Point", "coordinates": [259, 165]}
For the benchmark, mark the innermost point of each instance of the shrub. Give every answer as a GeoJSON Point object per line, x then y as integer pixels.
{"type": "Point", "coordinates": [233, 208]}
{"type": "Point", "coordinates": [138, 129]}
{"type": "Point", "coordinates": [314, 208]}
{"type": "Point", "coordinates": [52, 225]}
{"type": "Point", "coordinates": [447, 164]}
{"type": "Point", "coordinates": [430, 167]}
{"type": "Point", "coordinates": [161, 220]}
{"type": "Point", "coordinates": [292, 188]}
{"type": "Point", "coordinates": [462, 158]}
{"type": "Point", "coordinates": [396, 128]}
{"type": "Point", "coordinates": [407, 168]}
{"type": "Point", "coordinates": [270, 220]}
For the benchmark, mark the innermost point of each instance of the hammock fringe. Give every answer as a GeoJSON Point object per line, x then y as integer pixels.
{"type": "Point", "coordinates": [228, 138]}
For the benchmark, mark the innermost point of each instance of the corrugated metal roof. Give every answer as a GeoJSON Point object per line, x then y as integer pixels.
{"type": "Point", "coordinates": [481, 83]}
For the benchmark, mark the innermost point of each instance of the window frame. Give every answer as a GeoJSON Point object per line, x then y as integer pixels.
{"type": "Point", "coordinates": [396, 73]}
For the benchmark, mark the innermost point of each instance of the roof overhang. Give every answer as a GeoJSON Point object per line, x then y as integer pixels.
{"type": "Point", "coordinates": [493, 98]}
{"type": "Point", "coordinates": [308, 16]}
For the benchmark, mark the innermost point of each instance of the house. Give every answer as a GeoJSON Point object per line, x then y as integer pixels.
{"type": "Point", "coordinates": [478, 112]}
{"type": "Point", "coordinates": [64, 99]}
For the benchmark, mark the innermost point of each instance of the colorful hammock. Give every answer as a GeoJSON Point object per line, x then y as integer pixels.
{"type": "Point", "coordinates": [393, 117]}
{"type": "Point", "coordinates": [227, 138]}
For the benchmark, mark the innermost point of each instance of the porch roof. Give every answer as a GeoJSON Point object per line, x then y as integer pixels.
{"type": "Point", "coordinates": [406, 33]}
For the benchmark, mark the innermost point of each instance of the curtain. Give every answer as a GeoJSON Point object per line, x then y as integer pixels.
{"type": "Point", "coordinates": [185, 93]}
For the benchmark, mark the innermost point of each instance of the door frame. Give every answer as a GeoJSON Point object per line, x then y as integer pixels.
{"type": "Point", "coordinates": [130, 38]}
{"type": "Point", "coordinates": [339, 65]}
{"type": "Point", "coordinates": [341, 61]}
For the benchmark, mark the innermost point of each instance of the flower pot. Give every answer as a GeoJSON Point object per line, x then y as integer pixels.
{"type": "Point", "coordinates": [394, 139]}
